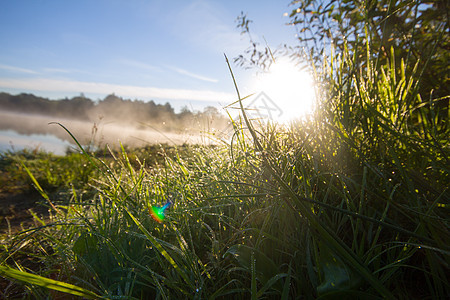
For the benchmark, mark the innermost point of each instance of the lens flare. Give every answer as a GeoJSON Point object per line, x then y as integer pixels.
{"type": "Point", "coordinates": [157, 212]}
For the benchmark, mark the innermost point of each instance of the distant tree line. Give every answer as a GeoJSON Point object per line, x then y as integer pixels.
{"type": "Point", "coordinates": [110, 108]}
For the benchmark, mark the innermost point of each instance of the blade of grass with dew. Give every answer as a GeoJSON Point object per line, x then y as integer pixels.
{"type": "Point", "coordinates": [253, 276]}
{"type": "Point", "coordinates": [159, 247]}
{"type": "Point", "coordinates": [39, 188]}
{"type": "Point", "coordinates": [48, 283]}
{"type": "Point", "coordinates": [287, 285]}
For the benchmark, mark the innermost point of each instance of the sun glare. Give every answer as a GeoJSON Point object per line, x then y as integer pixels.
{"type": "Point", "coordinates": [288, 91]}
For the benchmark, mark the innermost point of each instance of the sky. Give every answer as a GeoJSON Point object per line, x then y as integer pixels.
{"type": "Point", "coordinates": [166, 51]}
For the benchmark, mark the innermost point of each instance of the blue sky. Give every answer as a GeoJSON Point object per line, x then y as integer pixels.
{"type": "Point", "coordinates": [167, 51]}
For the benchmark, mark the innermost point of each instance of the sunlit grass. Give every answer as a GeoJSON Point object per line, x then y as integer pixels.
{"type": "Point", "coordinates": [351, 202]}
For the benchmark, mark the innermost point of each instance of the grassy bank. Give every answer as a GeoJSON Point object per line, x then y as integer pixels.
{"type": "Point", "coordinates": [352, 202]}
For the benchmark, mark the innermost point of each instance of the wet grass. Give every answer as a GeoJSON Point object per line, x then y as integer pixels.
{"type": "Point", "coordinates": [352, 202]}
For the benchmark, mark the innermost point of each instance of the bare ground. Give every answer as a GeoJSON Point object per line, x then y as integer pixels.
{"type": "Point", "coordinates": [15, 211]}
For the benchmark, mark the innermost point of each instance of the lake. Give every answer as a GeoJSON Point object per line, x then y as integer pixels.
{"type": "Point", "coordinates": [19, 131]}
{"type": "Point", "coordinates": [13, 141]}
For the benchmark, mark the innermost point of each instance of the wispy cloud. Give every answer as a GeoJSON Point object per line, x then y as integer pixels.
{"type": "Point", "coordinates": [57, 70]}
{"type": "Point", "coordinates": [17, 69]}
{"type": "Point", "coordinates": [193, 75]}
{"type": "Point", "coordinates": [68, 86]}
{"type": "Point", "coordinates": [146, 66]}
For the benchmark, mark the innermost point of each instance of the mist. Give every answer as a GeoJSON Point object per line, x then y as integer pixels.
{"type": "Point", "coordinates": [111, 121]}
{"type": "Point", "coordinates": [111, 131]}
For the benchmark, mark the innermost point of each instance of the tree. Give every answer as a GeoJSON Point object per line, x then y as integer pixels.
{"type": "Point", "coordinates": [211, 111]}
{"type": "Point", "coordinates": [416, 30]}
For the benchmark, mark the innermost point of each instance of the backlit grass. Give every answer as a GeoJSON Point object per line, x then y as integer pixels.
{"type": "Point", "coordinates": [352, 202]}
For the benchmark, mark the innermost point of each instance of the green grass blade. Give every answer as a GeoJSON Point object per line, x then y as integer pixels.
{"type": "Point", "coordinates": [287, 285]}
{"type": "Point", "coordinates": [159, 247]}
{"type": "Point", "coordinates": [254, 293]}
{"type": "Point", "coordinates": [48, 283]}
{"type": "Point", "coordinates": [39, 188]}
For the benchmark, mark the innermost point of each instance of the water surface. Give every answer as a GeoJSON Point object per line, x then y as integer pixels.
{"type": "Point", "coordinates": [19, 131]}
{"type": "Point", "coordinates": [13, 141]}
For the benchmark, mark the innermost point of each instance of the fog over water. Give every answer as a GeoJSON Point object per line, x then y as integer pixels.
{"type": "Point", "coordinates": [19, 131]}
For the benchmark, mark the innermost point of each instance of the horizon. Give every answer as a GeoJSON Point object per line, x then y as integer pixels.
{"type": "Point", "coordinates": [99, 100]}
{"type": "Point", "coordinates": [64, 49]}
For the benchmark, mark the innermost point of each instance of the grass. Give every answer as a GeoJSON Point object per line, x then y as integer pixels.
{"type": "Point", "coordinates": [353, 202]}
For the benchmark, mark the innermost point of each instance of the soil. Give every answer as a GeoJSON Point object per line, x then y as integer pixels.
{"type": "Point", "coordinates": [15, 216]}
{"type": "Point", "coordinates": [15, 211]}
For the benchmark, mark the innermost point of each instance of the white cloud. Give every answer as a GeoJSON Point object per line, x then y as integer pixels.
{"type": "Point", "coordinates": [67, 86]}
{"type": "Point", "coordinates": [193, 75]}
{"type": "Point", "coordinates": [17, 69]}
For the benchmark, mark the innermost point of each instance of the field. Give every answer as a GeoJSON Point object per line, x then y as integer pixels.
{"type": "Point", "coordinates": [351, 202]}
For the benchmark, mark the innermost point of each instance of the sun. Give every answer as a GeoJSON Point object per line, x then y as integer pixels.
{"type": "Point", "coordinates": [288, 87]}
